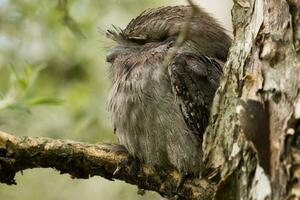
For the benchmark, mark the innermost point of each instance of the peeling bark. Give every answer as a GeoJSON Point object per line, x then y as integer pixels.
{"type": "Point", "coordinates": [263, 67]}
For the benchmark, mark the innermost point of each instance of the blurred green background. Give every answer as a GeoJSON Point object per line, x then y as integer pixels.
{"type": "Point", "coordinates": [54, 82]}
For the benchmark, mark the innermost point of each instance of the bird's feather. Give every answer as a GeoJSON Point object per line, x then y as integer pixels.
{"type": "Point", "coordinates": [194, 80]}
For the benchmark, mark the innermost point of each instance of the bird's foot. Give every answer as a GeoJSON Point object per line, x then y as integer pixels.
{"type": "Point", "coordinates": [180, 183]}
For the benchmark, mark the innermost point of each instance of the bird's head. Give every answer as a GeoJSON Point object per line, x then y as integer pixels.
{"type": "Point", "coordinates": [149, 36]}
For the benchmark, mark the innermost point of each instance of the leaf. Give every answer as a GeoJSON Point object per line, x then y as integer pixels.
{"type": "Point", "coordinates": [25, 79]}
{"type": "Point", "coordinates": [20, 107]}
{"type": "Point", "coordinates": [18, 79]}
{"type": "Point", "coordinates": [45, 101]}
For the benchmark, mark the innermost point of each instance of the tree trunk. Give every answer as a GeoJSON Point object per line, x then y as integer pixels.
{"type": "Point", "coordinates": [253, 140]}
{"type": "Point", "coordinates": [252, 145]}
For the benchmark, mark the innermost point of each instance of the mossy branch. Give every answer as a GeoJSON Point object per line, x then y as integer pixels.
{"type": "Point", "coordinates": [82, 160]}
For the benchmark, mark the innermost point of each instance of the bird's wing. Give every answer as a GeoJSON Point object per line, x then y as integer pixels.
{"type": "Point", "coordinates": [194, 79]}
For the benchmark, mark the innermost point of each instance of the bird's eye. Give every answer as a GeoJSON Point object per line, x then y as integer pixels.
{"type": "Point", "coordinates": [139, 40]}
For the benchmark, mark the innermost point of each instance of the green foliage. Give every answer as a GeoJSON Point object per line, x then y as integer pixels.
{"type": "Point", "coordinates": [18, 94]}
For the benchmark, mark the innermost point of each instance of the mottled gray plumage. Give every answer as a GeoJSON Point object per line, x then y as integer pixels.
{"type": "Point", "coordinates": [160, 115]}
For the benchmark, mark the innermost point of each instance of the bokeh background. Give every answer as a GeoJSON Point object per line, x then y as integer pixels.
{"type": "Point", "coordinates": [54, 82]}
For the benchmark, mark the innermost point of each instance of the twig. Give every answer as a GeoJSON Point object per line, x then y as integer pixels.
{"type": "Point", "coordinates": [68, 20]}
{"type": "Point", "coordinates": [181, 37]}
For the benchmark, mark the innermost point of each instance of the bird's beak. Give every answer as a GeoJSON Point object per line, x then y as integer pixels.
{"type": "Point", "coordinates": [113, 53]}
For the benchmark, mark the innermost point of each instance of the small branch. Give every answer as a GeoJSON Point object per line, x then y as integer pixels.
{"type": "Point", "coordinates": [83, 160]}
{"type": "Point", "coordinates": [68, 20]}
{"type": "Point", "coordinates": [181, 37]}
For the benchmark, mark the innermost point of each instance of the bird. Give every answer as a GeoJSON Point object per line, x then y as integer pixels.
{"type": "Point", "coordinates": [162, 92]}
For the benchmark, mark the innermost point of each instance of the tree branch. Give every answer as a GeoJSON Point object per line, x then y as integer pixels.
{"type": "Point", "coordinates": [83, 160]}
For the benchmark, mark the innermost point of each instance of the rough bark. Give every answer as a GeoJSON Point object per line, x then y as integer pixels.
{"type": "Point", "coordinates": [82, 160]}
{"type": "Point", "coordinates": [253, 137]}
{"type": "Point", "coordinates": [252, 145]}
